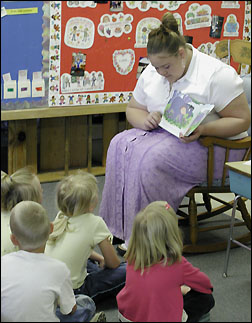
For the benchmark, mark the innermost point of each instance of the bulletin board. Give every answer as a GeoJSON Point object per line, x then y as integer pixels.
{"type": "Point", "coordinates": [104, 43]}
{"type": "Point", "coordinates": [21, 47]}
{"type": "Point", "coordinates": [98, 50]}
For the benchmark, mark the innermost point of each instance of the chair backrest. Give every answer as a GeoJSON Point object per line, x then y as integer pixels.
{"type": "Point", "coordinates": [210, 142]}
{"type": "Point", "coordinates": [238, 49]}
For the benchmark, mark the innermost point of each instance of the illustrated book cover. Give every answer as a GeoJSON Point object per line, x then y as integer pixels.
{"type": "Point", "coordinates": [182, 115]}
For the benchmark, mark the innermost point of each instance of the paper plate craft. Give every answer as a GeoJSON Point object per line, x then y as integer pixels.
{"type": "Point", "coordinates": [115, 25]}
{"type": "Point", "coordinates": [231, 27]}
{"type": "Point", "coordinates": [198, 16]}
{"type": "Point", "coordinates": [79, 33]}
{"type": "Point", "coordinates": [160, 5]}
{"type": "Point", "coordinates": [143, 28]}
{"type": "Point", "coordinates": [124, 60]}
{"type": "Point", "coordinates": [81, 4]}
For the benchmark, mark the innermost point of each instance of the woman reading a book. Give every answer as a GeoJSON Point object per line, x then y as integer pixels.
{"type": "Point", "coordinates": [147, 163]}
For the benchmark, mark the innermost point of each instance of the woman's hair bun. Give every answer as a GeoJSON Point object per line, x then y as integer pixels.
{"type": "Point", "coordinates": [169, 23]}
{"type": "Point", "coordinates": [164, 29]}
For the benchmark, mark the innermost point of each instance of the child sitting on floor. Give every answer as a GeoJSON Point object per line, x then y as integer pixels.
{"type": "Point", "coordinates": [23, 185]}
{"type": "Point", "coordinates": [33, 284]}
{"type": "Point", "coordinates": [77, 231]}
{"type": "Point", "coordinates": [158, 278]}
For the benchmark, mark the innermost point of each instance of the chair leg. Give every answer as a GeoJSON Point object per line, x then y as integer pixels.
{"type": "Point", "coordinates": [192, 210]}
{"type": "Point", "coordinates": [207, 201]}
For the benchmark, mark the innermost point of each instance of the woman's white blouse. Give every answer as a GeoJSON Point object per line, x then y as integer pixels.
{"type": "Point", "coordinates": [207, 80]}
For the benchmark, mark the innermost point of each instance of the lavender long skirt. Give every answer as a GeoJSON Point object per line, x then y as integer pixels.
{"type": "Point", "coordinates": [145, 166]}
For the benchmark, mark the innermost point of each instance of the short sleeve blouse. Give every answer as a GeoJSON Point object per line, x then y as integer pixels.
{"type": "Point", "coordinates": [207, 80]}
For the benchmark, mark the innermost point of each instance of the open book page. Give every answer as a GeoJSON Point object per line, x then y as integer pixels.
{"type": "Point", "coordinates": [182, 115]}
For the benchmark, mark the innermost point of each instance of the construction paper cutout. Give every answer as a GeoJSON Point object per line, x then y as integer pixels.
{"type": "Point", "coordinates": [123, 61]}
{"type": "Point", "coordinates": [160, 5]}
{"type": "Point", "coordinates": [230, 4]}
{"type": "Point", "coordinates": [231, 26]}
{"type": "Point", "coordinates": [198, 16]}
{"type": "Point", "coordinates": [143, 29]}
{"type": "Point", "coordinates": [115, 25]}
{"type": "Point", "coordinates": [81, 4]}
{"type": "Point", "coordinates": [79, 33]}
{"type": "Point", "coordinates": [10, 87]}
{"type": "Point", "coordinates": [209, 49]}
{"type": "Point", "coordinates": [24, 85]}
{"type": "Point", "coordinates": [38, 85]}
{"type": "Point", "coordinates": [93, 81]}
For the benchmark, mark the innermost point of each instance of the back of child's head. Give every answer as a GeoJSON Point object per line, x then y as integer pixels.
{"type": "Point", "coordinates": [77, 193]}
{"type": "Point", "coordinates": [155, 237]}
{"type": "Point", "coordinates": [23, 185]}
{"type": "Point", "coordinates": [30, 225]}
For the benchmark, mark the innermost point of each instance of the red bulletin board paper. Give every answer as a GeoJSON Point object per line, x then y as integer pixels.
{"type": "Point", "coordinates": [99, 56]}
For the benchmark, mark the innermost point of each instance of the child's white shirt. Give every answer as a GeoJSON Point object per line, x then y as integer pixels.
{"type": "Point", "coordinates": [6, 244]}
{"type": "Point", "coordinates": [32, 285]}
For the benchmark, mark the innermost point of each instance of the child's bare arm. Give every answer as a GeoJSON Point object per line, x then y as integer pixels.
{"type": "Point", "coordinates": [97, 257]}
{"type": "Point", "coordinates": [109, 254]}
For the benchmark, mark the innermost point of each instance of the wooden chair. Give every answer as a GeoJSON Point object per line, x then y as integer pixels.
{"type": "Point", "coordinates": [240, 51]}
{"type": "Point", "coordinates": [193, 218]}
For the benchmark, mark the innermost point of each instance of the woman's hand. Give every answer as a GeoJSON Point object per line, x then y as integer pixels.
{"type": "Point", "coordinates": [152, 120]}
{"type": "Point", "coordinates": [193, 136]}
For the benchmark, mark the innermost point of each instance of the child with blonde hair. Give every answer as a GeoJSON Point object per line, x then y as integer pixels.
{"type": "Point", "coordinates": [158, 278]}
{"type": "Point", "coordinates": [23, 185]}
{"type": "Point", "coordinates": [32, 283]}
{"type": "Point", "coordinates": [77, 231]}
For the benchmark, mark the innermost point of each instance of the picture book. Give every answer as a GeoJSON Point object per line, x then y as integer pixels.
{"type": "Point", "coordinates": [182, 114]}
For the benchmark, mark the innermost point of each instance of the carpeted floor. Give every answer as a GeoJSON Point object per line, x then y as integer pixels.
{"type": "Point", "coordinates": [232, 294]}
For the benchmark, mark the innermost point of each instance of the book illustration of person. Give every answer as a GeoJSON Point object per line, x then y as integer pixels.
{"type": "Point", "coordinates": [178, 112]}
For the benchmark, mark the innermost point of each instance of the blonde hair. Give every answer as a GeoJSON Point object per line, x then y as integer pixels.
{"type": "Point", "coordinates": [166, 38]}
{"type": "Point", "coordinates": [76, 194]}
{"type": "Point", "coordinates": [19, 187]}
{"type": "Point", "coordinates": [30, 225]}
{"type": "Point", "coordinates": [155, 237]}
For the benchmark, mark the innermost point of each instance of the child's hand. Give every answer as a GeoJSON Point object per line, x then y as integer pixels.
{"type": "Point", "coordinates": [185, 289]}
{"type": "Point", "coordinates": [95, 256]}
{"type": "Point", "coordinates": [101, 263]}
